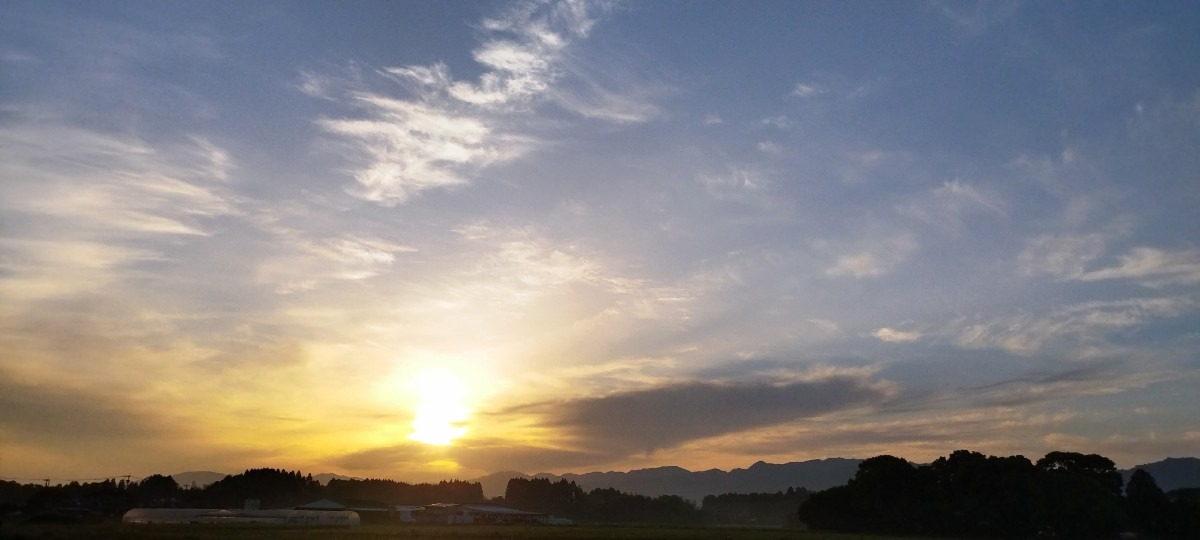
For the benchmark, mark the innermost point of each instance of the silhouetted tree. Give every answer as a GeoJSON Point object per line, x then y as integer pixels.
{"type": "Point", "coordinates": [566, 499]}
{"type": "Point", "coordinates": [156, 491]}
{"type": "Point", "coordinates": [985, 495]}
{"type": "Point", "coordinates": [1081, 495]}
{"type": "Point", "coordinates": [1148, 508]}
{"type": "Point", "coordinates": [561, 498]}
{"type": "Point", "coordinates": [754, 508]}
{"type": "Point", "coordinates": [1185, 514]}
{"type": "Point", "coordinates": [273, 488]}
{"type": "Point", "coordinates": [1065, 495]}
{"type": "Point", "coordinates": [1096, 468]}
{"type": "Point", "coordinates": [393, 492]}
{"type": "Point", "coordinates": [886, 495]}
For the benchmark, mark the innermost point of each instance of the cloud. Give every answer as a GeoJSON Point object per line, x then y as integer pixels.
{"type": "Point", "coordinates": [403, 456]}
{"type": "Point", "coordinates": [497, 455]}
{"type": "Point", "coordinates": [975, 18]}
{"type": "Point", "coordinates": [875, 261]}
{"type": "Point", "coordinates": [1062, 256]}
{"type": "Point", "coordinates": [1151, 267]}
{"type": "Point", "coordinates": [452, 129]}
{"type": "Point", "coordinates": [781, 121]}
{"type": "Point", "coordinates": [735, 180]}
{"type": "Point", "coordinates": [85, 206]}
{"type": "Point", "coordinates": [769, 147]}
{"type": "Point", "coordinates": [112, 183]}
{"type": "Point", "coordinates": [1080, 184]}
{"type": "Point", "coordinates": [895, 336]}
{"type": "Point", "coordinates": [1038, 386]}
{"type": "Point", "coordinates": [64, 416]}
{"type": "Point", "coordinates": [606, 92]}
{"type": "Point", "coordinates": [308, 261]}
{"type": "Point", "coordinates": [411, 147]}
{"type": "Point", "coordinates": [918, 436]}
{"type": "Point", "coordinates": [1067, 257]}
{"type": "Point", "coordinates": [665, 416]}
{"type": "Point", "coordinates": [949, 205]}
{"type": "Point", "coordinates": [873, 165]}
{"type": "Point", "coordinates": [473, 456]}
{"type": "Point", "coordinates": [1088, 323]}
{"type": "Point", "coordinates": [827, 326]}
{"type": "Point", "coordinates": [808, 90]}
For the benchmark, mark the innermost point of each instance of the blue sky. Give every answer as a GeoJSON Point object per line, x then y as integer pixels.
{"type": "Point", "coordinates": [420, 240]}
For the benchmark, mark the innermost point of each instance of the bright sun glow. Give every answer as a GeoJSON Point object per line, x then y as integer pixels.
{"type": "Point", "coordinates": [441, 410]}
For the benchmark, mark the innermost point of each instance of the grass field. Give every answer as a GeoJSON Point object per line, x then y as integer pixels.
{"type": "Point", "coordinates": [381, 532]}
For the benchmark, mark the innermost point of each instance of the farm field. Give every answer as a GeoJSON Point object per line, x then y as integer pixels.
{"type": "Point", "coordinates": [381, 532]}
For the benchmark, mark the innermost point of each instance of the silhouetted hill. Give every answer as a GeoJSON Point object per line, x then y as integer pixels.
{"type": "Point", "coordinates": [1171, 473]}
{"type": "Point", "coordinates": [494, 484]}
{"type": "Point", "coordinates": [758, 478]}
{"type": "Point", "coordinates": [324, 478]}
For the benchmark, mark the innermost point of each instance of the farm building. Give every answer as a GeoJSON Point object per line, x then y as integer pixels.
{"type": "Point", "coordinates": [369, 511]}
{"type": "Point", "coordinates": [479, 514]}
{"type": "Point", "coordinates": [301, 518]}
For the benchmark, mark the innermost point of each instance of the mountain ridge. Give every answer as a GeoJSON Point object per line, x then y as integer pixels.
{"type": "Point", "coordinates": [760, 477]}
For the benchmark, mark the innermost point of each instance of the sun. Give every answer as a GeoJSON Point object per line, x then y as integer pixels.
{"type": "Point", "coordinates": [441, 407]}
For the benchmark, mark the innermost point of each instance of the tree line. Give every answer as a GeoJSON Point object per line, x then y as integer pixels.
{"type": "Point", "coordinates": [967, 494]}
{"type": "Point", "coordinates": [607, 505]}
{"type": "Point", "coordinates": [274, 488]}
{"type": "Point", "coordinates": [567, 499]}
{"type": "Point", "coordinates": [277, 488]}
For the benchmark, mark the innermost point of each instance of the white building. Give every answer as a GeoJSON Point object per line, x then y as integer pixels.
{"type": "Point", "coordinates": [301, 518]}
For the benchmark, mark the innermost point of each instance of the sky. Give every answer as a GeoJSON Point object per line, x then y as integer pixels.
{"type": "Point", "coordinates": [427, 240]}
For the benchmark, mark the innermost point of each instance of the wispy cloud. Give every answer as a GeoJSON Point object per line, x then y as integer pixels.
{"type": "Point", "coordinates": [1062, 384]}
{"type": "Point", "coordinates": [949, 205]}
{"type": "Point", "coordinates": [1151, 267]}
{"type": "Point", "coordinates": [734, 180]}
{"type": "Point", "coordinates": [1086, 323]}
{"type": "Point", "coordinates": [805, 90]}
{"type": "Point", "coordinates": [1063, 256]}
{"type": "Point", "coordinates": [876, 260]}
{"type": "Point", "coordinates": [892, 335]}
{"type": "Point", "coordinates": [411, 147]}
{"type": "Point", "coordinates": [780, 122]}
{"type": "Point", "coordinates": [1072, 257]}
{"type": "Point", "coordinates": [872, 165]}
{"type": "Point", "coordinates": [769, 147]}
{"type": "Point", "coordinates": [91, 204]}
{"type": "Point", "coordinates": [975, 17]}
{"type": "Point", "coordinates": [452, 129]}
{"type": "Point", "coordinates": [917, 436]}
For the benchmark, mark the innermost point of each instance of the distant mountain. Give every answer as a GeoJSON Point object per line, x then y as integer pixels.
{"type": "Point", "coordinates": [199, 478]}
{"type": "Point", "coordinates": [494, 484]}
{"type": "Point", "coordinates": [759, 478]}
{"type": "Point", "coordinates": [324, 478]}
{"type": "Point", "coordinates": [1171, 473]}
